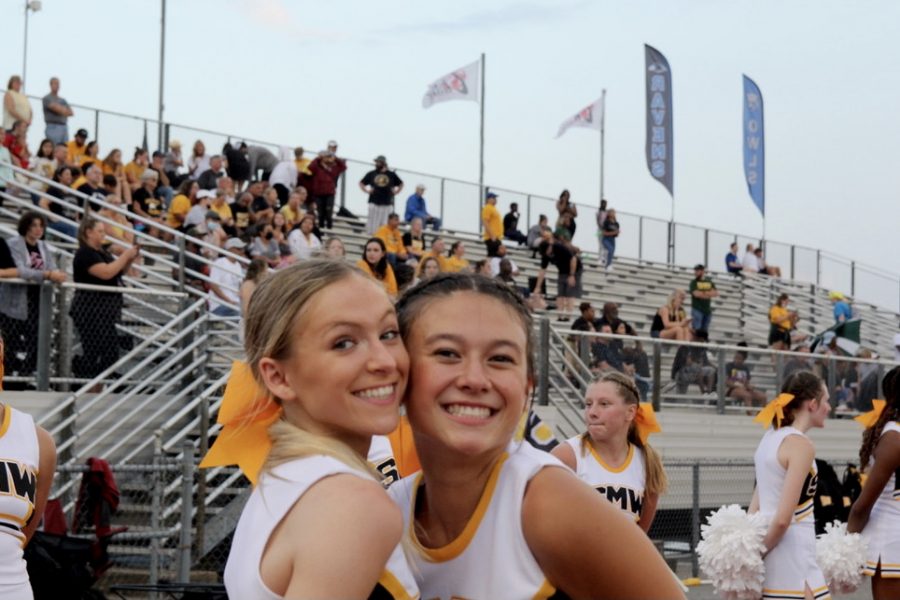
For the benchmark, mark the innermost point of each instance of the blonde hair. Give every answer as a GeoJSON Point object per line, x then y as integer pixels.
{"type": "Point", "coordinates": [656, 481]}
{"type": "Point", "coordinates": [272, 313]}
{"type": "Point", "coordinates": [675, 314]}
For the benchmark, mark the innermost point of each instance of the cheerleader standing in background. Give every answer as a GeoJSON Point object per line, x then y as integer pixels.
{"type": "Point", "coordinates": [489, 516]}
{"type": "Point", "coordinates": [613, 456]}
{"type": "Point", "coordinates": [786, 480]}
{"type": "Point", "coordinates": [876, 513]}
{"type": "Point", "coordinates": [326, 371]}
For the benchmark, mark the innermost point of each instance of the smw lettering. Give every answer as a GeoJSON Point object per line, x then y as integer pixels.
{"type": "Point", "coordinates": [17, 480]}
{"type": "Point", "coordinates": [625, 498]}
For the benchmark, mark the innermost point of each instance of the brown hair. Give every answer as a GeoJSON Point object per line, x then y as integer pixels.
{"type": "Point", "coordinates": [656, 481]}
{"type": "Point", "coordinates": [805, 386]}
{"type": "Point", "coordinates": [891, 387]}
{"type": "Point", "coordinates": [87, 223]}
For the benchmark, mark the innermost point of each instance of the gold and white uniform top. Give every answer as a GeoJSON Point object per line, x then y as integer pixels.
{"type": "Point", "coordinates": [381, 457]}
{"type": "Point", "coordinates": [273, 497]}
{"type": "Point", "coordinates": [624, 486]}
{"type": "Point", "coordinates": [770, 477]}
{"type": "Point", "coordinates": [882, 532]}
{"type": "Point", "coordinates": [490, 558]}
{"type": "Point", "coordinates": [19, 462]}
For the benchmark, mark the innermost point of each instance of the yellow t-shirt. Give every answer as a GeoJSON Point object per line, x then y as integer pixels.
{"type": "Point", "coordinates": [290, 215]}
{"type": "Point", "coordinates": [75, 153]}
{"type": "Point", "coordinates": [456, 264]}
{"type": "Point", "coordinates": [776, 314]}
{"type": "Point", "coordinates": [133, 172]}
{"type": "Point", "coordinates": [389, 282]}
{"type": "Point", "coordinates": [223, 210]}
{"type": "Point", "coordinates": [108, 170]}
{"type": "Point", "coordinates": [303, 166]}
{"type": "Point", "coordinates": [178, 210]}
{"type": "Point", "coordinates": [493, 223]}
{"type": "Point", "coordinates": [392, 238]}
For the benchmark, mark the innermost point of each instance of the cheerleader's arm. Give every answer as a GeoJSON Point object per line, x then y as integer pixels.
{"type": "Point", "coordinates": [47, 466]}
{"type": "Point", "coordinates": [797, 455]}
{"type": "Point", "coordinates": [648, 511]}
{"type": "Point", "coordinates": [887, 461]}
{"type": "Point", "coordinates": [754, 503]}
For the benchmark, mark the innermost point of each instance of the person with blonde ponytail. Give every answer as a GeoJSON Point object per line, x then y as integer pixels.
{"type": "Point", "coordinates": [613, 455]}
{"type": "Point", "coordinates": [876, 513]}
{"type": "Point", "coordinates": [326, 370]}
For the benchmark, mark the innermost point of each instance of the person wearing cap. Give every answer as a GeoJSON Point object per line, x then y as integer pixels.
{"type": "Point", "coordinates": [381, 184]}
{"type": "Point", "coordinates": [56, 114]}
{"type": "Point", "coordinates": [416, 208]}
{"type": "Point", "coordinates": [325, 170]}
{"type": "Point", "coordinates": [702, 290]}
{"type": "Point", "coordinates": [181, 207]}
{"type": "Point", "coordinates": [842, 311]}
{"type": "Point", "coordinates": [77, 148]}
{"type": "Point", "coordinates": [492, 224]}
{"type": "Point", "coordinates": [173, 163]}
{"type": "Point", "coordinates": [201, 209]}
{"type": "Point", "coordinates": [226, 275]}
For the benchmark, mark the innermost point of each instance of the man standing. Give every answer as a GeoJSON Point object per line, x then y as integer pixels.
{"type": "Point", "coordinates": [56, 114]}
{"type": "Point", "coordinates": [492, 224]}
{"type": "Point", "coordinates": [703, 290]}
{"type": "Point", "coordinates": [381, 184]}
{"type": "Point", "coordinates": [415, 208]}
{"type": "Point", "coordinates": [325, 171]}
{"type": "Point", "coordinates": [568, 282]}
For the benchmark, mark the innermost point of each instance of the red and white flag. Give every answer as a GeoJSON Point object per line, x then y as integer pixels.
{"type": "Point", "coordinates": [461, 84]}
{"type": "Point", "coordinates": [590, 117]}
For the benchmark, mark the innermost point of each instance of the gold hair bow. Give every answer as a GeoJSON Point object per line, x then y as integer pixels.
{"type": "Point", "coordinates": [774, 410]}
{"type": "Point", "coordinates": [869, 419]}
{"type": "Point", "coordinates": [245, 415]}
{"type": "Point", "coordinates": [645, 422]}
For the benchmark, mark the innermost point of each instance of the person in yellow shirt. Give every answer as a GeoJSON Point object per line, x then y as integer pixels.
{"type": "Point", "coordinates": [437, 252]}
{"type": "Point", "coordinates": [456, 262]}
{"type": "Point", "coordinates": [392, 237]}
{"type": "Point", "coordinates": [293, 210]}
{"type": "Point", "coordinates": [782, 321]}
{"type": "Point", "coordinates": [375, 264]}
{"type": "Point", "coordinates": [135, 169]}
{"type": "Point", "coordinates": [181, 204]}
{"type": "Point", "coordinates": [492, 223]}
{"type": "Point", "coordinates": [77, 148]}
{"type": "Point", "coordinates": [301, 163]}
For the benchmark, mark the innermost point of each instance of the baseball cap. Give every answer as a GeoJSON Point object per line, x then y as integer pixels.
{"type": "Point", "coordinates": [835, 295]}
{"type": "Point", "coordinates": [380, 158]}
{"type": "Point", "coordinates": [206, 194]}
{"type": "Point", "coordinates": [233, 243]}
{"type": "Point", "coordinates": [699, 266]}
{"type": "Point", "coordinates": [81, 133]}
{"type": "Point", "coordinates": [211, 214]}
{"type": "Point", "coordinates": [491, 195]}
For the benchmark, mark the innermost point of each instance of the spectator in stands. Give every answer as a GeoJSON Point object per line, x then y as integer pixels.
{"type": "Point", "coordinates": [76, 148]}
{"type": "Point", "coordinates": [588, 320]}
{"type": "Point", "coordinates": [226, 276]}
{"type": "Point", "coordinates": [201, 207]}
{"type": "Point", "coordinates": [494, 262]}
{"type": "Point", "coordinates": [782, 322]}
{"type": "Point", "coordinates": [92, 154]}
{"type": "Point", "coordinates": [601, 217]}
{"type": "Point", "coordinates": [702, 290]}
{"type": "Point", "coordinates": [302, 240]}
{"type": "Point", "coordinates": [535, 234]}
{"type": "Point", "coordinates": [263, 208]}
{"type": "Point", "coordinates": [256, 272]}
{"type": "Point", "coordinates": [732, 262]}
{"type": "Point", "coordinates": [173, 164]}
{"type": "Point", "coordinates": [182, 204]}
{"type": "Point", "coordinates": [842, 311]}
{"type": "Point", "coordinates": [261, 159]}
{"type": "Point", "coordinates": [610, 232]}
{"type": "Point", "coordinates": [16, 106]}
{"type": "Point", "coordinates": [6, 173]}
{"type": "Point", "coordinates": [374, 262]}
{"type": "Point", "coordinates": [43, 164]}
{"type": "Point", "coordinates": [292, 210]}
{"type": "Point", "coordinates": [20, 304]}
{"type": "Point", "coordinates": [15, 139]}
{"type": "Point", "coordinates": [511, 225]}
{"type": "Point", "coordinates": [568, 283]}
{"type": "Point", "coordinates": [219, 204]}
{"type": "Point", "coordinates": [610, 317]}
{"type": "Point", "coordinates": [325, 171]}
{"type": "Point", "coordinates": [280, 232]}
{"type": "Point", "coordinates": [565, 206]}
{"type": "Point", "coordinates": [136, 168]}
{"type": "Point", "coordinates": [122, 230]}
{"type": "Point", "coordinates": [428, 268]}
{"type": "Point", "coordinates": [414, 241]}
{"type": "Point", "coordinates": [284, 176]}
{"type": "Point", "coordinates": [209, 178]}
{"type": "Point", "coordinates": [438, 248]}
{"type": "Point", "coordinates": [60, 155]}
{"type": "Point", "coordinates": [492, 224]}
{"type": "Point", "coordinates": [381, 184]}
{"type": "Point", "coordinates": [265, 247]}
{"type": "Point", "coordinates": [417, 209]}
{"type": "Point", "coordinates": [93, 186]}
{"type": "Point", "coordinates": [670, 322]}
{"type": "Point", "coordinates": [240, 208]}
{"type": "Point", "coordinates": [112, 164]}
{"type": "Point", "coordinates": [300, 162]}
{"type": "Point", "coordinates": [199, 161]}
{"type": "Point", "coordinates": [606, 353]}
{"type": "Point", "coordinates": [507, 276]}
{"type": "Point", "coordinates": [238, 163]}
{"type": "Point", "coordinates": [749, 261]}
{"type": "Point", "coordinates": [738, 385]}
{"type": "Point", "coordinates": [163, 189]}
{"type": "Point", "coordinates": [216, 234]}
{"type": "Point", "coordinates": [563, 230]}
{"type": "Point", "coordinates": [456, 260]}
{"type": "Point", "coordinates": [691, 365]}
{"type": "Point", "coordinates": [145, 204]}
{"type": "Point", "coordinates": [334, 248]}
{"type": "Point", "coordinates": [56, 114]}
{"type": "Point", "coordinates": [393, 240]}
{"type": "Point", "coordinates": [62, 176]}
{"type": "Point", "coordinates": [96, 314]}
{"type": "Point", "coordinates": [483, 267]}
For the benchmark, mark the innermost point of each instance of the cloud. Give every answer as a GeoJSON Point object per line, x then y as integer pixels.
{"type": "Point", "coordinates": [274, 15]}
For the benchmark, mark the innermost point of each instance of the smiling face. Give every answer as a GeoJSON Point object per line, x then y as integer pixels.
{"type": "Point", "coordinates": [346, 369]}
{"type": "Point", "coordinates": [606, 415]}
{"type": "Point", "coordinates": [468, 374]}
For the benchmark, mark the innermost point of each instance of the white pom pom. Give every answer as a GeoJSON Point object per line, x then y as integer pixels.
{"type": "Point", "coordinates": [841, 556]}
{"type": "Point", "coordinates": [730, 552]}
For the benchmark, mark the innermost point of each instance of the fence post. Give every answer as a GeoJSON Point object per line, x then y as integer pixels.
{"type": "Point", "coordinates": [64, 340]}
{"type": "Point", "coordinates": [818, 267]}
{"type": "Point", "coordinates": [853, 278]}
{"type": "Point", "coordinates": [832, 380]}
{"type": "Point", "coordinates": [779, 370]}
{"type": "Point", "coordinates": [200, 536]}
{"type": "Point", "coordinates": [187, 506]}
{"type": "Point", "coordinates": [657, 370]}
{"type": "Point", "coordinates": [544, 363]}
{"type": "Point", "coordinates": [96, 126]}
{"type": "Point", "coordinates": [181, 259]}
{"type": "Point", "coordinates": [720, 382]}
{"type": "Point", "coordinates": [528, 211]}
{"type": "Point", "coordinates": [706, 247]}
{"type": "Point", "coordinates": [45, 328]}
{"type": "Point", "coordinates": [443, 181]}
{"type": "Point", "coordinates": [640, 238]}
{"type": "Point", "coordinates": [695, 518]}
{"type": "Point", "coordinates": [155, 509]}
{"type": "Point", "coordinates": [793, 251]}
{"type": "Point", "coordinates": [584, 350]}
{"type": "Point", "coordinates": [344, 189]}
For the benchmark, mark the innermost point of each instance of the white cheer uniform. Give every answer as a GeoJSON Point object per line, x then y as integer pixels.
{"type": "Point", "coordinates": [791, 565]}
{"type": "Point", "coordinates": [624, 487]}
{"type": "Point", "coordinates": [490, 559]}
{"type": "Point", "coordinates": [381, 457]}
{"type": "Point", "coordinates": [19, 462]}
{"type": "Point", "coordinates": [274, 496]}
{"type": "Point", "coordinates": [882, 532]}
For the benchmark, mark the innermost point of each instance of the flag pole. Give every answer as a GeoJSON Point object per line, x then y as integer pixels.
{"type": "Point", "coordinates": [481, 146]}
{"type": "Point", "coordinates": [602, 138]}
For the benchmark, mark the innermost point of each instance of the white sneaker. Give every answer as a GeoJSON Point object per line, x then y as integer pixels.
{"type": "Point", "coordinates": [609, 268]}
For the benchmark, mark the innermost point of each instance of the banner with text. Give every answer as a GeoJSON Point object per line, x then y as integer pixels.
{"type": "Point", "coordinates": [590, 116]}
{"type": "Point", "coordinates": [754, 144]}
{"type": "Point", "coordinates": [461, 84]}
{"type": "Point", "coordinates": [659, 117]}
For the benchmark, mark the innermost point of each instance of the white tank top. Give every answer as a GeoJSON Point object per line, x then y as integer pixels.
{"type": "Point", "coordinates": [19, 462]}
{"type": "Point", "coordinates": [271, 500]}
{"type": "Point", "coordinates": [624, 487]}
{"type": "Point", "coordinates": [888, 501]}
{"type": "Point", "coordinates": [381, 457]}
{"type": "Point", "coordinates": [490, 558]}
{"type": "Point", "coordinates": [770, 477]}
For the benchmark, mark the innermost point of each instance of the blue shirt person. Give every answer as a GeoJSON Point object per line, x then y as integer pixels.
{"type": "Point", "coordinates": [415, 207]}
{"type": "Point", "coordinates": [842, 310]}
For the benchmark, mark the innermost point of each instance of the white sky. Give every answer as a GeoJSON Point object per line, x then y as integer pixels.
{"type": "Point", "coordinates": [293, 71]}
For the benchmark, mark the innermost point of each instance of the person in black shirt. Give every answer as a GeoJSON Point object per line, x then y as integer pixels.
{"type": "Point", "coordinates": [511, 225]}
{"type": "Point", "coordinates": [381, 184]}
{"type": "Point", "coordinates": [414, 240]}
{"type": "Point", "coordinates": [568, 284]}
{"type": "Point", "coordinates": [93, 187]}
{"type": "Point", "coordinates": [146, 205]}
{"type": "Point", "coordinates": [737, 375]}
{"type": "Point", "coordinates": [209, 179]}
{"type": "Point", "coordinates": [610, 232]}
{"type": "Point", "coordinates": [62, 192]}
{"type": "Point", "coordinates": [240, 210]}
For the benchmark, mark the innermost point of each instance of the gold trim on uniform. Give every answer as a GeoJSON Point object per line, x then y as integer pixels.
{"type": "Point", "coordinates": [7, 417]}
{"type": "Point", "coordinates": [393, 586]}
{"type": "Point", "coordinates": [606, 466]}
